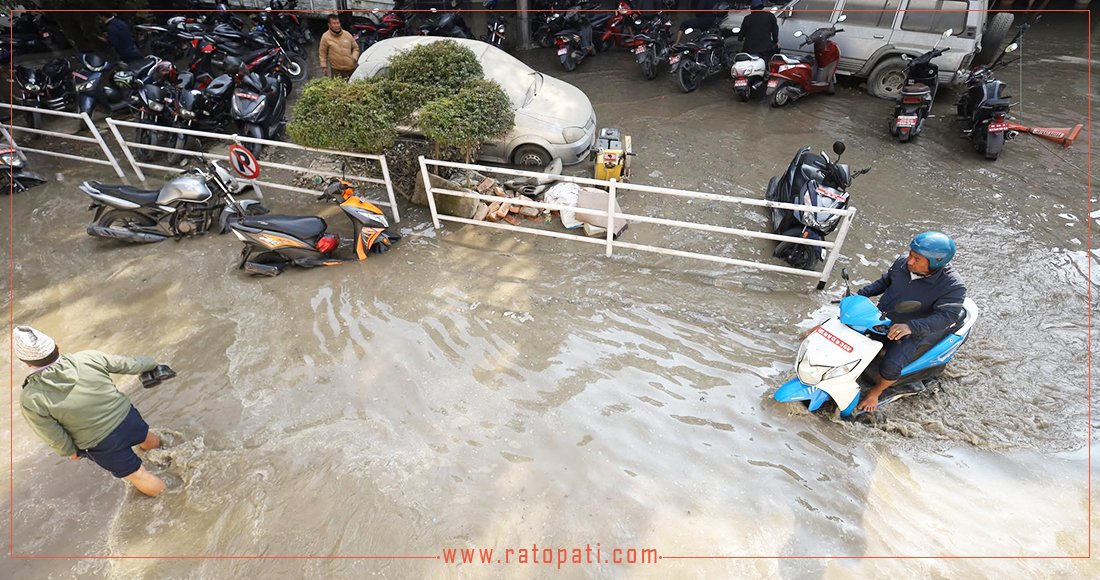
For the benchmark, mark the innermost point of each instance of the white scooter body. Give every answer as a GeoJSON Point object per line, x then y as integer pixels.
{"type": "Point", "coordinates": [835, 351]}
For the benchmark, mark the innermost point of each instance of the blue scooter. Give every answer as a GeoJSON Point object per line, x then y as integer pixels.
{"type": "Point", "coordinates": [837, 360]}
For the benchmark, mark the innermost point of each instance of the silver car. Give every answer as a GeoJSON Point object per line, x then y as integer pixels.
{"type": "Point", "coordinates": [553, 118]}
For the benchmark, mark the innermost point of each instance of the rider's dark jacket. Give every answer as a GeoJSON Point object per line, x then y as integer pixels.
{"type": "Point", "coordinates": [934, 301]}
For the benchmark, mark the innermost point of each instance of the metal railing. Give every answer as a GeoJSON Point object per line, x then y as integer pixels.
{"type": "Point", "coordinates": [109, 158]}
{"type": "Point", "coordinates": [610, 242]}
{"type": "Point", "coordinates": [128, 146]}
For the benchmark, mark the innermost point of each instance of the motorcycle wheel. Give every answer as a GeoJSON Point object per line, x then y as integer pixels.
{"type": "Point", "coordinates": [994, 143]}
{"type": "Point", "coordinates": [904, 135]}
{"type": "Point", "coordinates": [798, 255]}
{"type": "Point", "coordinates": [180, 142]}
{"type": "Point", "coordinates": [125, 219]}
{"type": "Point", "coordinates": [568, 63]}
{"type": "Point", "coordinates": [144, 137]}
{"type": "Point", "coordinates": [297, 69]}
{"type": "Point", "coordinates": [780, 97]}
{"type": "Point", "coordinates": [649, 65]}
{"type": "Point", "coordinates": [255, 132]}
{"type": "Point", "coordinates": [689, 81]}
{"type": "Point", "coordinates": [543, 39]}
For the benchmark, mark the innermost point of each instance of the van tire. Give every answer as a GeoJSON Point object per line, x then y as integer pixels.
{"type": "Point", "coordinates": [887, 78]}
{"type": "Point", "coordinates": [996, 31]}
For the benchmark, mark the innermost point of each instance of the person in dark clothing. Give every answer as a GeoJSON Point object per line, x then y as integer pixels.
{"type": "Point", "coordinates": [706, 18]}
{"type": "Point", "coordinates": [760, 32]}
{"type": "Point", "coordinates": [119, 37]}
{"type": "Point", "coordinates": [923, 297]}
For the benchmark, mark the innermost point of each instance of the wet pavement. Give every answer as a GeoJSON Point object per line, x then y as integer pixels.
{"type": "Point", "coordinates": [478, 389]}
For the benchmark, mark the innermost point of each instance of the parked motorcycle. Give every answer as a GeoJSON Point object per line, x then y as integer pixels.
{"type": "Point", "coordinates": [259, 106]}
{"type": "Point", "coordinates": [286, 18]}
{"type": "Point", "coordinates": [620, 30]}
{"type": "Point", "coordinates": [101, 85]}
{"type": "Point", "coordinates": [450, 25]}
{"type": "Point", "coordinates": [198, 201]}
{"type": "Point", "coordinates": [548, 19]}
{"type": "Point", "coordinates": [792, 79]}
{"type": "Point", "coordinates": [691, 62]}
{"type": "Point", "coordinates": [918, 92]}
{"type": "Point", "coordinates": [170, 40]}
{"type": "Point", "coordinates": [579, 36]}
{"type": "Point", "coordinates": [232, 48]}
{"type": "Point", "coordinates": [266, 22]}
{"type": "Point", "coordinates": [838, 361]}
{"type": "Point", "coordinates": [206, 109]}
{"type": "Point", "coordinates": [812, 180]}
{"type": "Point", "coordinates": [150, 102]}
{"type": "Point", "coordinates": [49, 87]}
{"type": "Point", "coordinates": [33, 32]}
{"type": "Point", "coordinates": [279, 241]}
{"type": "Point", "coordinates": [495, 26]}
{"type": "Point", "coordinates": [15, 171]}
{"type": "Point", "coordinates": [984, 107]}
{"type": "Point", "coordinates": [653, 39]}
{"type": "Point", "coordinates": [389, 25]}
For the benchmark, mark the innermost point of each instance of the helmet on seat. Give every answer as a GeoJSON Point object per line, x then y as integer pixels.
{"type": "Point", "coordinates": [938, 247]}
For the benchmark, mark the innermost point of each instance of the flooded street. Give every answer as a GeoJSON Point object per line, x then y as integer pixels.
{"type": "Point", "coordinates": [472, 388]}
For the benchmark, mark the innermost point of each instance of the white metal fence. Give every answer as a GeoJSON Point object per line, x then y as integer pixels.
{"type": "Point", "coordinates": [610, 243]}
{"type": "Point", "coordinates": [129, 146]}
{"type": "Point", "coordinates": [95, 137]}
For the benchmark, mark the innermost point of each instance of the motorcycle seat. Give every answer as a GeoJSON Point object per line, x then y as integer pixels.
{"type": "Point", "coordinates": [132, 194]}
{"type": "Point", "coordinates": [993, 103]}
{"type": "Point", "coordinates": [302, 227]}
{"type": "Point", "coordinates": [141, 67]}
{"type": "Point", "coordinates": [916, 89]}
{"type": "Point", "coordinates": [220, 86]}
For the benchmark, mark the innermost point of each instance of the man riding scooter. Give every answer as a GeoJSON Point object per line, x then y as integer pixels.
{"type": "Point", "coordinates": [923, 297]}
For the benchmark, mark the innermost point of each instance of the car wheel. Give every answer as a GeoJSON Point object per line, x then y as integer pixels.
{"type": "Point", "coordinates": [887, 79]}
{"type": "Point", "coordinates": [531, 156]}
{"type": "Point", "coordinates": [996, 31]}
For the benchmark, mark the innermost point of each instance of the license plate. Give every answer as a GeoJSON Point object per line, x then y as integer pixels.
{"type": "Point", "coordinates": [674, 59]}
{"type": "Point", "coordinates": [907, 121]}
{"type": "Point", "coordinates": [639, 49]}
{"type": "Point", "coordinates": [562, 51]}
{"type": "Point", "coordinates": [998, 127]}
{"type": "Point", "coordinates": [45, 35]}
{"type": "Point", "coordinates": [773, 83]}
{"type": "Point", "coordinates": [741, 83]}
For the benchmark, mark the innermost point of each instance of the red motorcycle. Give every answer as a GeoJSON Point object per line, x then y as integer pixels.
{"type": "Point", "coordinates": [389, 25]}
{"type": "Point", "coordinates": [620, 30]}
{"type": "Point", "coordinates": [792, 79]}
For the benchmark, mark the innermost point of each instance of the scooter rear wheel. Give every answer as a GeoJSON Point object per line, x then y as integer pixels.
{"type": "Point", "coordinates": [781, 97]}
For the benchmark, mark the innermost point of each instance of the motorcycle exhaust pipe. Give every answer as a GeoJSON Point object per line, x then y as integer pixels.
{"type": "Point", "coordinates": [124, 235]}
{"type": "Point", "coordinates": [269, 270]}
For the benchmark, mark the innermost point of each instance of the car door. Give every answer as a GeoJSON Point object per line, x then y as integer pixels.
{"type": "Point", "coordinates": [867, 30]}
{"type": "Point", "coordinates": [807, 16]}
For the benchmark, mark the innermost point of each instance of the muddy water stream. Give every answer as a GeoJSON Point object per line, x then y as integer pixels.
{"type": "Point", "coordinates": [477, 389]}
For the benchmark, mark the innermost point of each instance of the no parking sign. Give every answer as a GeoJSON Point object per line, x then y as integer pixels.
{"type": "Point", "coordinates": [243, 162]}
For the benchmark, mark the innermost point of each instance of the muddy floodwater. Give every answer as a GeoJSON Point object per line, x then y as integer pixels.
{"type": "Point", "coordinates": [479, 389]}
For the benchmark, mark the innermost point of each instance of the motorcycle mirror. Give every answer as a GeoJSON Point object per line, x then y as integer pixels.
{"type": "Point", "coordinates": [798, 34]}
{"type": "Point", "coordinates": [1012, 47]}
{"type": "Point", "coordinates": [844, 274]}
{"type": "Point", "coordinates": [842, 18]}
{"type": "Point", "coordinates": [434, 10]}
{"type": "Point", "coordinates": [838, 148]}
{"type": "Point", "coordinates": [736, 30]}
{"type": "Point", "coordinates": [947, 33]}
{"type": "Point", "coordinates": [688, 31]}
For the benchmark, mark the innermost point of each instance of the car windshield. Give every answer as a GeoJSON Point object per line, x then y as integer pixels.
{"type": "Point", "coordinates": [517, 79]}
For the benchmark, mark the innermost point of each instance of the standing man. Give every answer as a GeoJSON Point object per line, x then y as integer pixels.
{"type": "Point", "coordinates": [923, 297]}
{"type": "Point", "coordinates": [338, 51]}
{"type": "Point", "coordinates": [120, 38]}
{"type": "Point", "coordinates": [70, 403]}
{"type": "Point", "coordinates": [760, 32]}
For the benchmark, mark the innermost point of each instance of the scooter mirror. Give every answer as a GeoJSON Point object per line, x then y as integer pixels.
{"type": "Point", "coordinates": [1011, 47]}
{"type": "Point", "coordinates": [798, 34]}
{"type": "Point", "coordinates": [838, 148]}
{"type": "Point", "coordinates": [947, 33]}
{"type": "Point", "coordinates": [844, 274]}
{"type": "Point", "coordinates": [842, 18]}
{"type": "Point", "coordinates": [736, 30]}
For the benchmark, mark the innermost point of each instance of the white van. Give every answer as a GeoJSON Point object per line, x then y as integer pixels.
{"type": "Point", "coordinates": [877, 32]}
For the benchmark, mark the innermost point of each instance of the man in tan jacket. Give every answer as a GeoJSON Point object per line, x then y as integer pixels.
{"type": "Point", "coordinates": [339, 51]}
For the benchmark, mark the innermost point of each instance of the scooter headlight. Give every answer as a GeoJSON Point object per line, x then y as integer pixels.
{"type": "Point", "coordinates": [10, 159]}
{"type": "Point", "coordinates": [841, 370]}
{"type": "Point", "coordinates": [85, 86]}
{"type": "Point", "coordinates": [187, 113]}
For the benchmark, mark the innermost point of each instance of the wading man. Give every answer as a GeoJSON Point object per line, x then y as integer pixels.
{"type": "Point", "coordinates": [339, 51]}
{"type": "Point", "coordinates": [71, 403]}
{"type": "Point", "coordinates": [923, 298]}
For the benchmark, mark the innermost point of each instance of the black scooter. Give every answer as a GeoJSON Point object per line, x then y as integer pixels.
{"type": "Point", "coordinates": [691, 62]}
{"type": "Point", "coordinates": [102, 85]}
{"type": "Point", "coordinates": [984, 107]}
{"type": "Point", "coordinates": [451, 25]}
{"type": "Point", "coordinates": [811, 179]}
{"type": "Point", "coordinates": [259, 106]}
{"type": "Point", "coordinates": [655, 36]}
{"type": "Point", "coordinates": [918, 92]}
{"type": "Point", "coordinates": [580, 36]}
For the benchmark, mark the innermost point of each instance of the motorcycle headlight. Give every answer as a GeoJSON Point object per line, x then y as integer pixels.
{"type": "Point", "coordinates": [158, 107]}
{"type": "Point", "coordinates": [34, 88]}
{"type": "Point", "coordinates": [571, 134]}
{"type": "Point", "coordinates": [8, 159]}
{"type": "Point", "coordinates": [187, 113]}
{"type": "Point", "coordinates": [840, 371]}
{"type": "Point", "coordinates": [500, 28]}
{"type": "Point", "coordinates": [85, 86]}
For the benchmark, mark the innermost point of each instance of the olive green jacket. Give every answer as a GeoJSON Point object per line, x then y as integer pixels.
{"type": "Point", "coordinates": [72, 404]}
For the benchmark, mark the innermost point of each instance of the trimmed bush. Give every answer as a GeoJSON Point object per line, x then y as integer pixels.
{"type": "Point", "coordinates": [479, 112]}
{"type": "Point", "coordinates": [334, 114]}
{"type": "Point", "coordinates": [436, 69]}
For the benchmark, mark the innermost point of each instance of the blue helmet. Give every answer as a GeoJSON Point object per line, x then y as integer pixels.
{"type": "Point", "coordinates": [939, 248]}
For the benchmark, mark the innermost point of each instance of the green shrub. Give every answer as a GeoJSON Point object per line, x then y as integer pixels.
{"type": "Point", "coordinates": [479, 112]}
{"type": "Point", "coordinates": [334, 114]}
{"type": "Point", "coordinates": [436, 69]}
